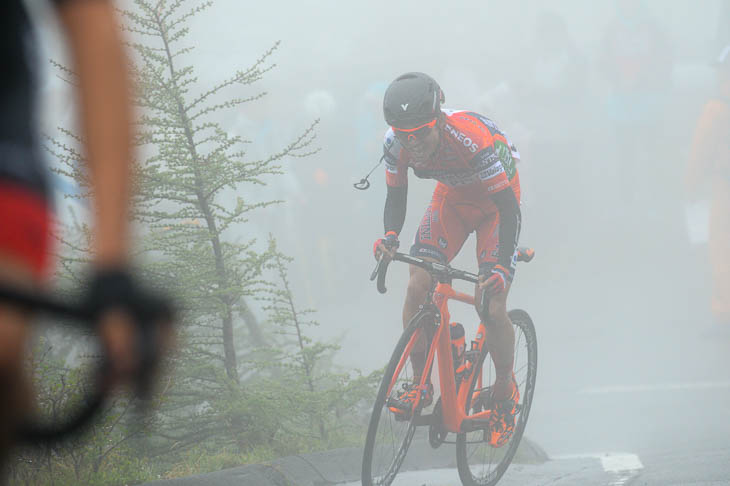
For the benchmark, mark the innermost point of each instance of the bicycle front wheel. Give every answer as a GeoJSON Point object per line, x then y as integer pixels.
{"type": "Point", "coordinates": [390, 432]}
{"type": "Point", "coordinates": [479, 463]}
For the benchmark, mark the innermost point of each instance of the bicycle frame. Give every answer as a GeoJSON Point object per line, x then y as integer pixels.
{"type": "Point", "coordinates": [453, 401]}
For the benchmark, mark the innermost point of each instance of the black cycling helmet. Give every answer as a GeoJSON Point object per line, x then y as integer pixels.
{"type": "Point", "coordinates": [412, 100]}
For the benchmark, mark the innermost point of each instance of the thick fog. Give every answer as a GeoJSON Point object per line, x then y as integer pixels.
{"type": "Point", "coordinates": [602, 113]}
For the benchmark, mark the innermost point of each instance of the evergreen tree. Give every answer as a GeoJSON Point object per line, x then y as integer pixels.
{"type": "Point", "coordinates": [322, 406]}
{"type": "Point", "coordinates": [195, 162]}
{"type": "Point", "coordinates": [191, 192]}
{"type": "Point", "coordinates": [183, 191]}
{"type": "Point", "coordinates": [248, 387]}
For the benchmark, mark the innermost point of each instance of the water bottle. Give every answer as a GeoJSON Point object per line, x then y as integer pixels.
{"type": "Point", "coordinates": [458, 344]}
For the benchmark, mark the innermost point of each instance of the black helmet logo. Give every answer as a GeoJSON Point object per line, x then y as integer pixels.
{"type": "Point", "coordinates": [412, 100]}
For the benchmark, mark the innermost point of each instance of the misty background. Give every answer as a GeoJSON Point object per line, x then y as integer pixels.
{"type": "Point", "coordinates": [600, 98]}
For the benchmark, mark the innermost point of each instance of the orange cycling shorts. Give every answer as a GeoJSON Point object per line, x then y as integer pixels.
{"type": "Point", "coordinates": [449, 219]}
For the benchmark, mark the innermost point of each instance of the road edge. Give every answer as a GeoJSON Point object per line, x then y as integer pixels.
{"type": "Point", "coordinates": [334, 466]}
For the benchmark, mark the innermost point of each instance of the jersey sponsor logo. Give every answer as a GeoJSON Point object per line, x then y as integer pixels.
{"type": "Point", "coordinates": [449, 177]}
{"type": "Point", "coordinates": [424, 230]}
{"type": "Point", "coordinates": [461, 137]}
{"type": "Point", "coordinates": [505, 157]}
{"type": "Point", "coordinates": [471, 120]}
{"type": "Point", "coordinates": [491, 126]}
{"type": "Point", "coordinates": [428, 252]}
{"type": "Point", "coordinates": [404, 106]}
{"type": "Point", "coordinates": [499, 185]}
{"type": "Point", "coordinates": [485, 158]}
{"type": "Point", "coordinates": [490, 172]}
{"type": "Point", "coordinates": [488, 164]}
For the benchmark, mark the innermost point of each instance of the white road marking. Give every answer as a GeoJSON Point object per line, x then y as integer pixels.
{"type": "Point", "coordinates": [600, 390]}
{"type": "Point", "coordinates": [621, 462]}
{"type": "Point", "coordinates": [623, 465]}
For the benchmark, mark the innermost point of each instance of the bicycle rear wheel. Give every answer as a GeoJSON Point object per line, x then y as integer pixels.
{"type": "Point", "coordinates": [479, 463]}
{"type": "Point", "coordinates": [390, 434]}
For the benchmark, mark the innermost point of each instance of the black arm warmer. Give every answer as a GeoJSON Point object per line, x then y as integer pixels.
{"type": "Point", "coordinates": [395, 209]}
{"type": "Point", "coordinates": [510, 219]}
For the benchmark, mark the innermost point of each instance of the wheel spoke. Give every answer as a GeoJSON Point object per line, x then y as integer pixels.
{"type": "Point", "coordinates": [390, 433]}
{"type": "Point", "coordinates": [481, 464]}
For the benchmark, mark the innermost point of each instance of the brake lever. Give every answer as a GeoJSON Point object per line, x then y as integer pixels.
{"type": "Point", "coordinates": [375, 271]}
{"type": "Point", "coordinates": [382, 271]}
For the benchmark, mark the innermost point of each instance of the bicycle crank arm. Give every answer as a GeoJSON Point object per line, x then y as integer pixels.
{"type": "Point", "coordinates": [429, 419]}
{"type": "Point", "coordinates": [472, 425]}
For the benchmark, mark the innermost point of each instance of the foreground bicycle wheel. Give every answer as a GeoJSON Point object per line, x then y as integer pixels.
{"type": "Point", "coordinates": [479, 463]}
{"type": "Point", "coordinates": [390, 434]}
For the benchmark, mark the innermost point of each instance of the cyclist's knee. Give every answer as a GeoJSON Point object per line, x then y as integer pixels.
{"type": "Point", "coordinates": [496, 311]}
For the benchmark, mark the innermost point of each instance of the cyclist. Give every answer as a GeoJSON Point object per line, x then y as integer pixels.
{"type": "Point", "coordinates": [478, 190]}
{"type": "Point", "coordinates": [25, 214]}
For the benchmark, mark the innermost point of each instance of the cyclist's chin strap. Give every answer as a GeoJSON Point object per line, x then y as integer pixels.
{"type": "Point", "coordinates": [364, 183]}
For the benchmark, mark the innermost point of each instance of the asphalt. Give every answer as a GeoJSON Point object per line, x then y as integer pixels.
{"type": "Point", "coordinates": [335, 466]}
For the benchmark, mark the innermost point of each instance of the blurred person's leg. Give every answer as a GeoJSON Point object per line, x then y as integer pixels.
{"type": "Point", "coordinates": [24, 241]}
{"type": "Point", "coordinates": [14, 331]}
{"type": "Point", "coordinates": [719, 246]}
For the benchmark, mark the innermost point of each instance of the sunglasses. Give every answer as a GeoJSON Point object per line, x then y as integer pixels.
{"type": "Point", "coordinates": [412, 134]}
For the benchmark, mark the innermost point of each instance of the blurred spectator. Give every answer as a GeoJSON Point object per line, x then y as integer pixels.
{"type": "Point", "coordinates": [723, 24]}
{"type": "Point", "coordinates": [551, 91]}
{"type": "Point", "coordinates": [368, 128]}
{"type": "Point", "coordinates": [636, 60]}
{"type": "Point", "coordinates": [709, 161]}
{"type": "Point", "coordinates": [556, 75]}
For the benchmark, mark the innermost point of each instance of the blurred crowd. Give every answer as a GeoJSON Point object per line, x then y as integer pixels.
{"type": "Point", "coordinates": [601, 99]}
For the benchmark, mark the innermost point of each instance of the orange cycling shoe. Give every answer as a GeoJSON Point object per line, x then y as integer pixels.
{"type": "Point", "coordinates": [403, 405]}
{"type": "Point", "coordinates": [502, 418]}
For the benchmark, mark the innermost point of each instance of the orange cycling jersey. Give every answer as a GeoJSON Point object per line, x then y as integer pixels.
{"type": "Point", "coordinates": [473, 163]}
{"type": "Point", "coordinates": [474, 158]}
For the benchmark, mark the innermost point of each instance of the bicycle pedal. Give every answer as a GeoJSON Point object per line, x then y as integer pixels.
{"type": "Point", "coordinates": [436, 432]}
{"type": "Point", "coordinates": [483, 401]}
{"type": "Point", "coordinates": [472, 425]}
{"type": "Point", "coordinates": [401, 411]}
{"type": "Point", "coordinates": [398, 404]}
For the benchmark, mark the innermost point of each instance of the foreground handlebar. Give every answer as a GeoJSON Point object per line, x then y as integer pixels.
{"type": "Point", "coordinates": [156, 310]}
